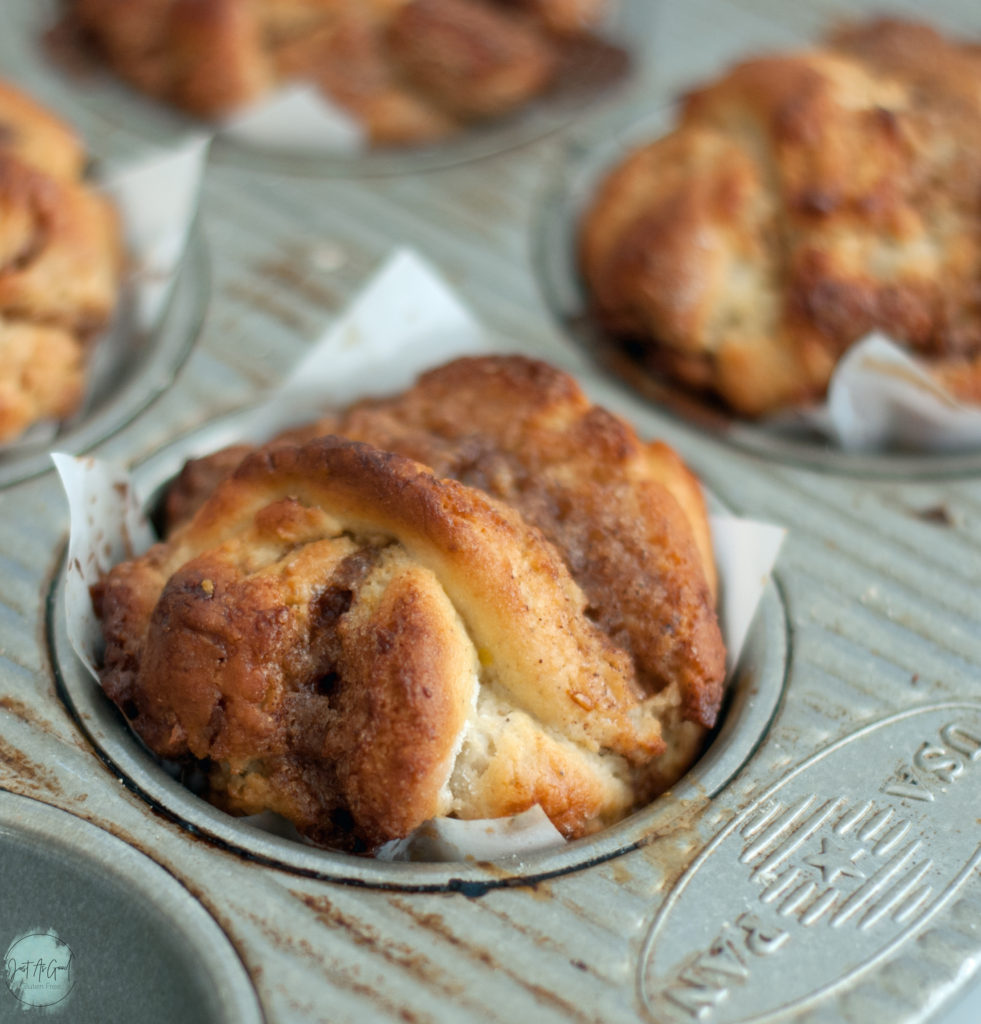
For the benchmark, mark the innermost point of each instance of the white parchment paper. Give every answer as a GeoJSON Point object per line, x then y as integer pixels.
{"type": "Point", "coordinates": [880, 396]}
{"type": "Point", "coordinates": [157, 198]}
{"type": "Point", "coordinates": [298, 116]}
{"type": "Point", "coordinates": [406, 320]}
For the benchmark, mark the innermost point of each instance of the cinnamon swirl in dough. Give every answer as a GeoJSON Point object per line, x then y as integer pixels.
{"type": "Point", "coordinates": [59, 265]}
{"type": "Point", "coordinates": [803, 201]}
{"type": "Point", "coordinates": [410, 71]}
{"type": "Point", "coordinates": [480, 595]}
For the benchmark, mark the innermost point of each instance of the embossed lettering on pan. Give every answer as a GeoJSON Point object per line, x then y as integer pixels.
{"type": "Point", "coordinates": [840, 862]}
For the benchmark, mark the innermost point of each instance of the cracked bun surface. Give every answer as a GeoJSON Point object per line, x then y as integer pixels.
{"type": "Point", "coordinates": [802, 201]}
{"type": "Point", "coordinates": [479, 595]}
{"type": "Point", "coordinates": [411, 71]}
{"type": "Point", "coordinates": [60, 264]}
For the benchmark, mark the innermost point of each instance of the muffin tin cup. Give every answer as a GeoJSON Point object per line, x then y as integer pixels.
{"type": "Point", "coordinates": [754, 692]}
{"type": "Point", "coordinates": [159, 306]}
{"type": "Point", "coordinates": [93, 930]}
{"type": "Point", "coordinates": [404, 320]}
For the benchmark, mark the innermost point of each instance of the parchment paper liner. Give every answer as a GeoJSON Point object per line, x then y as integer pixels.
{"type": "Point", "coordinates": [405, 321]}
{"type": "Point", "coordinates": [882, 397]}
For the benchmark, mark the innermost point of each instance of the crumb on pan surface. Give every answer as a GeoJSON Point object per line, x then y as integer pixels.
{"type": "Point", "coordinates": [60, 260]}
{"type": "Point", "coordinates": [802, 201]}
{"type": "Point", "coordinates": [412, 71]}
{"type": "Point", "coordinates": [479, 595]}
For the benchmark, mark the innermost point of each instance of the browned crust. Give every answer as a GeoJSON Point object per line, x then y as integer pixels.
{"type": "Point", "coordinates": [525, 433]}
{"type": "Point", "coordinates": [497, 571]}
{"type": "Point", "coordinates": [35, 136]}
{"type": "Point", "coordinates": [628, 518]}
{"type": "Point", "coordinates": [308, 692]}
{"type": "Point", "coordinates": [470, 58]}
{"type": "Point", "coordinates": [42, 375]}
{"type": "Point", "coordinates": [196, 480]}
{"type": "Point", "coordinates": [204, 57]}
{"type": "Point", "coordinates": [393, 708]}
{"type": "Point", "coordinates": [412, 71]}
{"type": "Point", "coordinates": [348, 58]}
{"type": "Point", "coordinates": [60, 264]}
{"type": "Point", "coordinates": [323, 624]}
{"type": "Point", "coordinates": [803, 201]}
{"type": "Point", "coordinates": [62, 247]}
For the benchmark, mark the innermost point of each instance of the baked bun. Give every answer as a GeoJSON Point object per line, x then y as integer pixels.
{"type": "Point", "coordinates": [60, 258]}
{"type": "Point", "coordinates": [492, 604]}
{"type": "Point", "coordinates": [803, 201]}
{"type": "Point", "coordinates": [571, 17]}
{"type": "Point", "coordinates": [410, 71]}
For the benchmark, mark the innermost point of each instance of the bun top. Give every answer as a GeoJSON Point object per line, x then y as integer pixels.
{"type": "Point", "coordinates": [361, 640]}
{"type": "Point", "coordinates": [411, 71]}
{"type": "Point", "coordinates": [60, 262]}
{"type": "Point", "coordinates": [804, 200]}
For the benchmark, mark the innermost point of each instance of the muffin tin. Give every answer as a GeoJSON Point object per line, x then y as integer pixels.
{"type": "Point", "coordinates": [851, 743]}
{"type": "Point", "coordinates": [118, 932]}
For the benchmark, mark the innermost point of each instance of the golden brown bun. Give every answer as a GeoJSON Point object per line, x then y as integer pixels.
{"type": "Point", "coordinates": [36, 137]}
{"type": "Point", "coordinates": [566, 16]}
{"type": "Point", "coordinates": [348, 56]}
{"type": "Point", "coordinates": [620, 510]}
{"type": "Point", "coordinates": [60, 259]}
{"type": "Point", "coordinates": [205, 57]}
{"type": "Point", "coordinates": [42, 375]}
{"type": "Point", "coordinates": [803, 201]}
{"type": "Point", "coordinates": [411, 71]}
{"type": "Point", "coordinates": [471, 59]}
{"type": "Point", "coordinates": [361, 638]}
{"type": "Point", "coordinates": [628, 517]}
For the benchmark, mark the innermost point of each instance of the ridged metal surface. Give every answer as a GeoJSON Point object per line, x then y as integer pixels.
{"type": "Point", "coordinates": [881, 581]}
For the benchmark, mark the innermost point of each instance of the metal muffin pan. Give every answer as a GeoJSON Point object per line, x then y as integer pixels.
{"type": "Point", "coordinates": [865, 782]}
{"type": "Point", "coordinates": [94, 931]}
